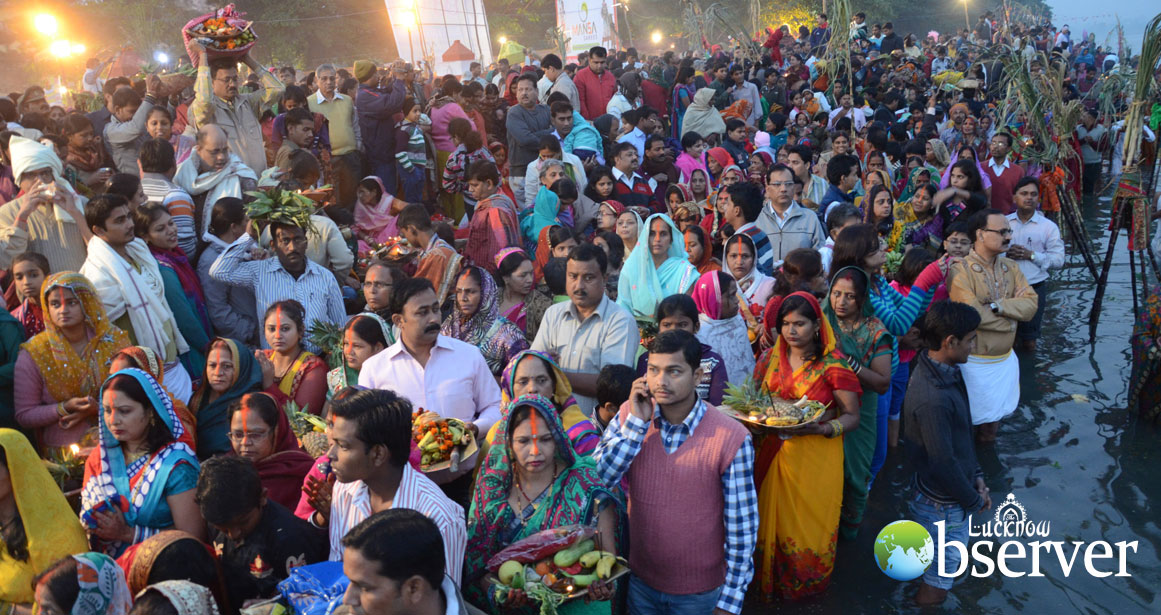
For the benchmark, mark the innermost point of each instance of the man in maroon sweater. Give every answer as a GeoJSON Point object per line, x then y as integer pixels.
{"type": "Point", "coordinates": [595, 85]}
{"type": "Point", "coordinates": [1003, 172]}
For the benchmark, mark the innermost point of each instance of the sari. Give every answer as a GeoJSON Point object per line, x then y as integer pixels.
{"type": "Point", "coordinates": [496, 337]}
{"type": "Point", "coordinates": [138, 560]}
{"type": "Point", "coordinates": [800, 483]}
{"type": "Point", "coordinates": [642, 284]}
{"type": "Point", "coordinates": [178, 262]}
{"type": "Point", "coordinates": [67, 375]}
{"type": "Point", "coordinates": [495, 226]}
{"type": "Point", "coordinates": [544, 213]}
{"type": "Point", "coordinates": [212, 416]}
{"type": "Point", "coordinates": [755, 287]}
{"type": "Point", "coordinates": [909, 230]}
{"type": "Point", "coordinates": [376, 222]}
{"type": "Point", "coordinates": [290, 384]}
{"type": "Point", "coordinates": [728, 336]}
{"type": "Point", "coordinates": [103, 590]}
{"type": "Point", "coordinates": [50, 527]}
{"type": "Point", "coordinates": [283, 471]}
{"type": "Point", "coordinates": [186, 597]}
{"type": "Point", "coordinates": [542, 254]}
{"type": "Point", "coordinates": [867, 341]}
{"type": "Point", "coordinates": [681, 98]}
{"type": "Point", "coordinates": [576, 496]}
{"type": "Point", "coordinates": [912, 183]}
{"type": "Point", "coordinates": [148, 362]}
{"type": "Point", "coordinates": [517, 314]}
{"type": "Point", "coordinates": [344, 376]}
{"type": "Point", "coordinates": [581, 432]}
{"type": "Point", "coordinates": [142, 484]}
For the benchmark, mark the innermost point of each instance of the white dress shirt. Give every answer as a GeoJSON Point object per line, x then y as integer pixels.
{"type": "Point", "coordinates": [1042, 237]}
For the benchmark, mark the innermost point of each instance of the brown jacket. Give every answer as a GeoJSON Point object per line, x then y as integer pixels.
{"type": "Point", "coordinates": [978, 284]}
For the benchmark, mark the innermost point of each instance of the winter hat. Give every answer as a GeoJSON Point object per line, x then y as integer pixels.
{"type": "Point", "coordinates": [364, 69]}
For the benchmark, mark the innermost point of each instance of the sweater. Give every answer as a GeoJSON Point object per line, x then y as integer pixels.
{"type": "Point", "coordinates": [1004, 185]}
{"type": "Point", "coordinates": [377, 108]}
{"type": "Point", "coordinates": [595, 91]}
{"type": "Point", "coordinates": [525, 128]}
{"type": "Point", "coordinates": [676, 506]}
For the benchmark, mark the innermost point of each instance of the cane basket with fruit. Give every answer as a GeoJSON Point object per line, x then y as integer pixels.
{"type": "Point", "coordinates": [224, 34]}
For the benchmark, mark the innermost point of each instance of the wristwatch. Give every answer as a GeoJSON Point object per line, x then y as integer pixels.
{"type": "Point", "coordinates": [995, 307]}
{"type": "Point", "coordinates": [1031, 256]}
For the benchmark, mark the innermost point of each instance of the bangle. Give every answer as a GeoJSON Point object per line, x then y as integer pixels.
{"type": "Point", "coordinates": [60, 409]}
{"type": "Point", "coordinates": [836, 428]}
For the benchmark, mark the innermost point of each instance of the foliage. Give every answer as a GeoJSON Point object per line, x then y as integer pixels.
{"type": "Point", "coordinates": [281, 206]}
{"type": "Point", "coordinates": [329, 337]}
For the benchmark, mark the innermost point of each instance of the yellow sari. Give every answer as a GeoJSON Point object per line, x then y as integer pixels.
{"type": "Point", "coordinates": [50, 526]}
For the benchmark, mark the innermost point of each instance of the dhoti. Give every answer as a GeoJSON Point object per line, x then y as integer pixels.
{"type": "Point", "coordinates": [993, 386]}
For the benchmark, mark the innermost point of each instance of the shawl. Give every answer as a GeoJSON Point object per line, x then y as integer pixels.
{"type": "Point", "coordinates": [739, 110]}
{"type": "Point", "coordinates": [183, 146]}
{"type": "Point", "coordinates": [123, 289]}
{"type": "Point", "coordinates": [728, 336]}
{"type": "Point", "coordinates": [28, 155]}
{"type": "Point", "coordinates": [148, 362]}
{"type": "Point", "coordinates": [344, 376]}
{"type": "Point", "coordinates": [575, 497]}
{"type": "Point", "coordinates": [377, 221]}
{"type": "Point", "coordinates": [545, 212]}
{"type": "Point", "coordinates": [582, 433]}
{"type": "Point", "coordinates": [49, 523]}
{"type": "Point", "coordinates": [283, 471]}
{"type": "Point", "coordinates": [642, 285]}
{"type": "Point", "coordinates": [187, 598]}
{"type": "Point", "coordinates": [87, 160]}
{"type": "Point", "coordinates": [495, 226]}
{"type": "Point", "coordinates": [177, 260]}
{"type": "Point", "coordinates": [939, 149]}
{"type": "Point", "coordinates": [701, 116]}
{"type": "Point", "coordinates": [103, 590]}
{"type": "Point", "coordinates": [65, 374]}
{"type": "Point", "coordinates": [752, 282]}
{"type": "Point", "coordinates": [31, 317]}
{"type": "Point", "coordinates": [723, 158]}
{"type": "Point", "coordinates": [108, 476]}
{"type": "Point", "coordinates": [583, 136]}
{"type": "Point", "coordinates": [496, 337]}
{"type": "Point", "coordinates": [226, 181]}
{"type": "Point", "coordinates": [212, 416]}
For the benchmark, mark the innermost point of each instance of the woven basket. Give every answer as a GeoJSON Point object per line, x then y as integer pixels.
{"type": "Point", "coordinates": [188, 36]}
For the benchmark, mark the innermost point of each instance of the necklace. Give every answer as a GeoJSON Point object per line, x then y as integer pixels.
{"type": "Point", "coordinates": [531, 502]}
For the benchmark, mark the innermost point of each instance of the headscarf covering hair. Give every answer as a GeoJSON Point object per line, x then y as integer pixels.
{"type": "Point", "coordinates": [706, 263]}
{"type": "Point", "coordinates": [723, 157]}
{"type": "Point", "coordinates": [826, 333]}
{"type": "Point", "coordinates": [580, 430]}
{"type": "Point", "coordinates": [642, 284]}
{"type": "Point", "coordinates": [707, 295]}
{"type": "Point", "coordinates": [545, 212]}
{"type": "Point", "coordinates": [103, 590]}
{"type": "Point", "coordinates": [29, 155]}
{"type": "Point", "coordinates": [614, 206]}
{"type": "Point", "coordinates": [147, 360]}
{"type": "Point", "coordinates": [704, 196]}
{"type": "Point", "coordinates": [701, 116]}
{"type": "Point", "coordinates": [213, 418]}
{"type": "Point", "coordinates": [187, 598]}
{"type": "Point", "coordinates": [377, 220]}
{"type": "Point", "coordinates": [939, 149]}
{"type": "Point", "coordinates": [496, 337]}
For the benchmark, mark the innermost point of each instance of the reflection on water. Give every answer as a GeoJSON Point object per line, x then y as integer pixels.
{"type": "Point", "coordinates": [1071, 454]}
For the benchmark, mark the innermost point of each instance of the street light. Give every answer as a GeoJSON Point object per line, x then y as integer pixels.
{"type": "Point", "coordinates": [45, 24]}
{"type": "Point", "coordinates": [656, 37]}
{"type": "Point", "coordinates": [407, 20]}
{"type": "Point", "coordinates": [967, 24]}
{"type": "Point", "coordinates": [60, 49]}
{"type": "Point", "coordinates": [503, 40]}
{"type": "Point", "coordinates": [161, 57]}
{"type": "Point", "coordinates": [78, 49]}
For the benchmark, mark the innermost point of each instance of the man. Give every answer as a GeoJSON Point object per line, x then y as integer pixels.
{"type": "Point", "coordinates": [891, 41]}
{"type": "Point", "coordinates": [589, 331]}
{"type": "Point", "coordinates": [91, 81]}
{"type": "Point", "coordinates": [213, 172]}
{"type": "Point", "coordinates": [1004, 173]}
{"type": "Point", "coordinates": [1093, 143]}
{"type": "Point", "coordinates": [595, 86]}
{"type": "Point", "coordinates": [799, 158]}
{"type": "Point", "coordinates": [46, 218]}
{"type": "Point", "coordinates": [744, 90]}
{"type": "Point", "coordinates": [495, 225]}
{"type": "Point", "coordinates": [721, 85]}
{"type": "Point", "coordinates": [558, 81]}
{"type": "Point", "coordinates": [395, 562]}
{"type": "Point", "coordinates": [689, 477]}
{"type": "Point", "coordinates": [642, 122]}
{"type": "Point", "coordinates": [217, 100]}
{"type": "Point", "coordinates": [631, 188]}
{"type": "Point", "coordinates": [415, 89]}
{"type": "Point", "coordinates": [787, 224]}
{"type": "Point", "coordinates": [475, 74]}
{"type": "Point", "coordinates": [949, 483]}
{"type": "Point", "coordinates": [842, 172]}
{"type": "Point", "coordinates": [742, 207]}
{"type": "Point", "coordinates": [377, 103]}
{"type": "Point", "coordinates": [127, 279]}
{"type": "Point", "coordinates": [819, 36]}
{"type": "Point", "coordinates": [576, 135]}
{"type": "Point", "coordinates": [343, 124]}
{"type": "Point", "coordinates": [378, 285]}
{"type": "Point", "coordinates": [158, 167]}
{"type": "Point", "coordinates": [876, 38]}
{"type": "Point", "coordinates": [627, 97]}
{"type": "Point", "coordinates": [527, 123]}
{"type": "Point", "coordinates": [370, 442]}
{"type": "Point", "coordinates": [941, 62]}
{"type": "Point", "coordinates": [257, 541]}
{"type": "Point", "coordinates": [534, 176]}
{"type": "Point", "coordinates": [299, 136]}
{"type": "Point", "coordinates": [438, 262]}
{"type": "Point", "coordinates": [1036, 247]}
{"type": "Point", "coordinates": [846, 109]}
{"type": "Point", "coordinates": [658, 164]}
{"type": "Point", "coordinates": [289, 276]}
{"type": "Point", "coordinates": [998, 290]}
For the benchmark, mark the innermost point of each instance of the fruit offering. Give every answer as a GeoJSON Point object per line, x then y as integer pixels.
{"type": "Point", "coordinates": [226, 30]}
{"type": "Point", "coordinates": [438, 438]}
{"type": "Point", "coordinates": [749, 404]}
{"type": "Point", "coordinates": [565, 565]}
{"type": "Point", "coordinates": [308, 428]}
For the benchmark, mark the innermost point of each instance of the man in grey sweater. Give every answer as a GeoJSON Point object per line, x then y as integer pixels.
{"type": "Point", "coordinates": [527, 122]}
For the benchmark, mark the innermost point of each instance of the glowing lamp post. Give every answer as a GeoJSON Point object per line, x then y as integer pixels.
{"type": "Point", "coordinates": [45, 24]}
{"type": "Point", "coordinates": [656, 37]}
{"type": "Point", "coordinates": [407, 20]}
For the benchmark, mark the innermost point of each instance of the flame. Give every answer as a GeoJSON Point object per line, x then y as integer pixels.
{"type": "Point", "coordinates": [74, 449]}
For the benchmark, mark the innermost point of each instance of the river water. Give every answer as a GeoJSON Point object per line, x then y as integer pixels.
{"type": "Point", "coordinates": [1071, 455]}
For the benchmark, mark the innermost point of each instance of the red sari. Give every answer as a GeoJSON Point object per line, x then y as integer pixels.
{"type": "Point", "coordinates": [283, 471]}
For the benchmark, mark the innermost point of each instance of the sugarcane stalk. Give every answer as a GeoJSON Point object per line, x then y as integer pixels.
{"type": "Point", "coordinates": [1103, 281]}
{"type": "Point", "coordinates": [1079, 233]}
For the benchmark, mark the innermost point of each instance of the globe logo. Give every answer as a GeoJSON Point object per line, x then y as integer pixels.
{"type": "Point", "coordinates": [904, 550]}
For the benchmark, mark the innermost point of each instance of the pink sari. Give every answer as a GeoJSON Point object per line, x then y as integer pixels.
{"type": "Point", "coordinates": [376, 222]}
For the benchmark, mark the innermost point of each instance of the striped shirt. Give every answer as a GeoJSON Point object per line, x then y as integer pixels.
{"type": "Point", "coordinates": [316, 289]}
{"type": "Point", "coordinates": [351, 504]}
{"type": "Point", "coordinates": [180, 205]}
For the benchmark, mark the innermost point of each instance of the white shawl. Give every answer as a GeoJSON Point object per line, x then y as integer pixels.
{"type": "Point", "coordinates": [29, 155]}
{"type": "Point", "coordinates": [214, 184]}
{"type": "Point", "coordinates": [142, 294]}
{"type": "Point", "coordinates": [730, 339]}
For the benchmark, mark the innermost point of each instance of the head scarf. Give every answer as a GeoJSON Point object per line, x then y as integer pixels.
{"type": "Point", "coordinates": [723, 157]}
{"type": "Point", "coordinates": [187, 598]}
{"type": "Point", "coordinates": [283, 471]}
{"type": "Point", "coordinates": [495, 336]}
{"type": "Point", "coordinates": [29, 155]}
{"type": "Point", "coordinates": [65, 374]}
{"type": "Point", "coordinates": [50, 526]}
{"type": "Point", "coordinates": [729, 336]}
{"type": "Point", "coordinates": [826, 332]}
{"type": "Point", "coordinates": [614, 206]}
{"type": "Point", "coordinates": [939, 149]}
{"type": "Point", "coordinates": [707, 295]}
{"type": "Point", "coordinates": [545, 212]}
{"type": "Point", "coordinates": [912, 181]}
{"type": "Point", "coordinates": [509, 95]}
{"type": "Point", "coordinates": [581, 431]}
{"type": "Point", "coordinates": [707, 184]}
{"type": "Point", "coordinates": [103, 590]}
{"type": "Point", "coordinates": [377, 220]}
{"type": "Point", "coordinates": [701, 116]}
{"type": "Point", "coordinates": [141, 483]}
{"type": "Point", "coordinates": [739, 110]}
{"type": "Point", "coordinates": [147, 360]}
{"type": "Point", "coordinates": [344, 376]}
{"type": "Point", "coordinates": [213, 418]}
{"type": "Point", "coordinates": [642, 285]}
{"type": "Point", "coordinates": [749, 284]}
{"type": "Point", "coordinates": [706, 264]}
{"type": "Point", "coordinates": [684, 195]}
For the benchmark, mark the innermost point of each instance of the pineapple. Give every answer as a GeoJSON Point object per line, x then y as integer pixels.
{"type": "Point", "coordinates": [308, 428]}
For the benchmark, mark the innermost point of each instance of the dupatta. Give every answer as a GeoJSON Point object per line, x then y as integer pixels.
{"type": "Point", "coordinates": [495, 336]}
{"type": "Point", "coordinates": [544, 213]}
{"type": "Point", "coordinates": [212, 416]}
{"type": "Point", "coordinates": [581, 431]}
{"type": "Point", "coordinates": [377, 221]}
{"type": "Point", "coordinates": [729, 336]}
{"type": "Point", "coordinates": [102, 587]}
{"type": "Point", "coordinates": [642, 285]}
{"type": "Point", "coordinates": [148, 361]}
{"type": "Point", "coordinates": [283, 471]}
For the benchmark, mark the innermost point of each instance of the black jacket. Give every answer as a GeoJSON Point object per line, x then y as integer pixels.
{"type": "Point", "coordinates": [890, 43]}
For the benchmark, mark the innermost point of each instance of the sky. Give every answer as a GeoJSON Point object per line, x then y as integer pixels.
{"type": "Point", "coordinates": [1101, 18]}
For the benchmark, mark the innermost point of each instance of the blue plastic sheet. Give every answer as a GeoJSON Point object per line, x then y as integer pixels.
{"type": "Point", "coordinates": [316, 589]}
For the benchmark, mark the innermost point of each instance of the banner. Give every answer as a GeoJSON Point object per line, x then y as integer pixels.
{"type": "Point", "coordinates": [587, 23]}
{"type": "Point", "coordinates": [429, 28]}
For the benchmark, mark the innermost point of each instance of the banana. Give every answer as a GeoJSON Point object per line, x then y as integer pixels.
{"type": "Point", "coordinates": [590, 559]}
{"type": "Point", "coordinates": [605, 565]}
{"type": "Point", "coordinates": [428, 438]}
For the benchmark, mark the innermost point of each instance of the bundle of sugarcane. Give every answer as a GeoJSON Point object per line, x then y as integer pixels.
{"type": "Point", "coordinates": [837, 56]}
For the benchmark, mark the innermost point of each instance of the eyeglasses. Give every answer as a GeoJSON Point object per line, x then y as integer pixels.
{"type": "Point", "coordinates": [239, 436]}
{"type": "Point", "coordinates": [1007, 232]}
{"type": "Point", "coordinates": [228, 80]}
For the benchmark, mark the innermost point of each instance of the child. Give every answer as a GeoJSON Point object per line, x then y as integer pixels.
{"type": "Point", "coordinates": [681, 312]}
{"type": "Point", "coordinates": [914, 262]}
{"type": "Point", "coordinates": [957, 242]}
{"type": "Point", "coordinates": [735, 143]}
{"type": "Point", "coordinates": [838, 218]}
{"type": "Point", "coordinates": [28, 273]}
{"type": "Point", "coordinates": [495, 225]}
{"type": "Point", "coordinates": [469, 149]}
{"type": "Point", "coordinates": [614, 384]}
{"type": "Point", "coordinates": [125, 131]}
{"type": "Point", "coordinates": [413, 157]}
{"type": "Point", "coordinates": [159, 125]}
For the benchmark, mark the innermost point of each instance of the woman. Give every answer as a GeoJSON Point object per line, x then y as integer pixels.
{"type": "Point", "coordinates": [937, 154]}
{"type": "Point", "coordinates": [681, 98]}
{"type": "Point", "coordinates": [374, 217]}
{"type": "Point", "coordinates": [175, 598]}
{"type": "Point", "coordinates": [615, 250]}
{"type": "Point", "coordinates": [476, 320]}
{"type": "Point", "coordinates": [39, 526]}
{"type": "Point", "coordinates": [598, 192]}
{"type": "Point", "coordinates": [517, 278]}
{"type": "Point", "coordinates": [964, 194]}
{"type": "Point", "coordinates": [760, 162]}
{"type": "Point", "coordinates": [652, 275]}
{"type": "Point", "coordinates": [692, 156]}
{"type": "Point", "coordinates": [545, 212]}
{"type": "Point", "coordinates": [880, 213]}
{"type": "Point", "coordinates": [59, 372]}
{"type": "Point", "coordinates": [700, 250]}
{"type": "Point", "coordinates": [260, 432]}
{"type": "Point", "coordinates": [554, 242]}
{"type": "Point", "coordinates": [232, 370]}
{"type": "Point", "coordinates": [800, 479]}
{"type": "Point", "coordinates": [701, 116]}
{"type": "Point", "coordinates": [699, 186]}
{"type": "Point", "coordinates": [917, 222]}
{"type": "Point", "coordinates": [144, 359]}
{"type": "Point", "coordinates": [82, 584]}
{"type": "Point", "coordinates": [128, 186]}
{"type": "Point", "coordinates": [965, 152]}
{"type": "Point", "coordinates": [867, 347]}
{"type": "Point", "coordinates": [173, 556]}
{"type": "Point", "coordinates": [607, 213]}
{"type": "Point", "coordinates": [629, 229]}
{"type": "Point", "coordinates": [364, 336]}
{"type": "Point", "coordinates": [86, 154]}
{"type": "Point", "coordinates": [675, 195]}
{"type": "Point", "coordinates": [534, 373]}
{"type": "Point", "coordinates": [722, 325]}
{"type": "Point", "coordinates": [916, 177]}
{"type": "Point", "coordinates": [967, 136]}
{"type": "Point", "coordinates": [299, 375]}
{"type": "Point", "coordinates": [533, 480]}
{"type": "Point", "coordinates": [156, 226]}
{"type": "Point", "coordinates": [754, 286]}
{"type": "Point", "coordinates": [872, 178]}
{"type": "Point", "coordinates": [140, 463]}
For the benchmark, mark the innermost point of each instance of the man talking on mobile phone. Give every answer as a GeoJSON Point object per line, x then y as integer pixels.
{"type": "Point", "coordinates": [688, 471]}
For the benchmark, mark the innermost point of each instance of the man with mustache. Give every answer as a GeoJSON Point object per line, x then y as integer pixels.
{"type": "Point", "coordinates": [435, 372]}
{"type": "Point", "coordinates": [996, 287]}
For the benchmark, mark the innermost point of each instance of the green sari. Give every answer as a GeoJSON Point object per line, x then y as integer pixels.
{"type": "Point", "coordinates": [865, 342]}
{"type": "Point", "coordinates": [577, 496]}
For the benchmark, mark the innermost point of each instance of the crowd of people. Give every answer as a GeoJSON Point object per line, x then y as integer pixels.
{"type": "Point", "coordinates": [580, 261]}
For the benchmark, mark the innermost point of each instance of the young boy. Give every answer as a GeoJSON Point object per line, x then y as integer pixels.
{"type": "Point", "coordinates": [495, 224]}
{"type": "Point", "coordinates": [29, 270]}
{"type": "Point", "coordinates": [956, 241]}
{"type": "Point", "coordinates": [413, 155]}
{"type": "Point", "coordinates": [614, 384]}
{"type": "Point", "coordinates": [838, 218]}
